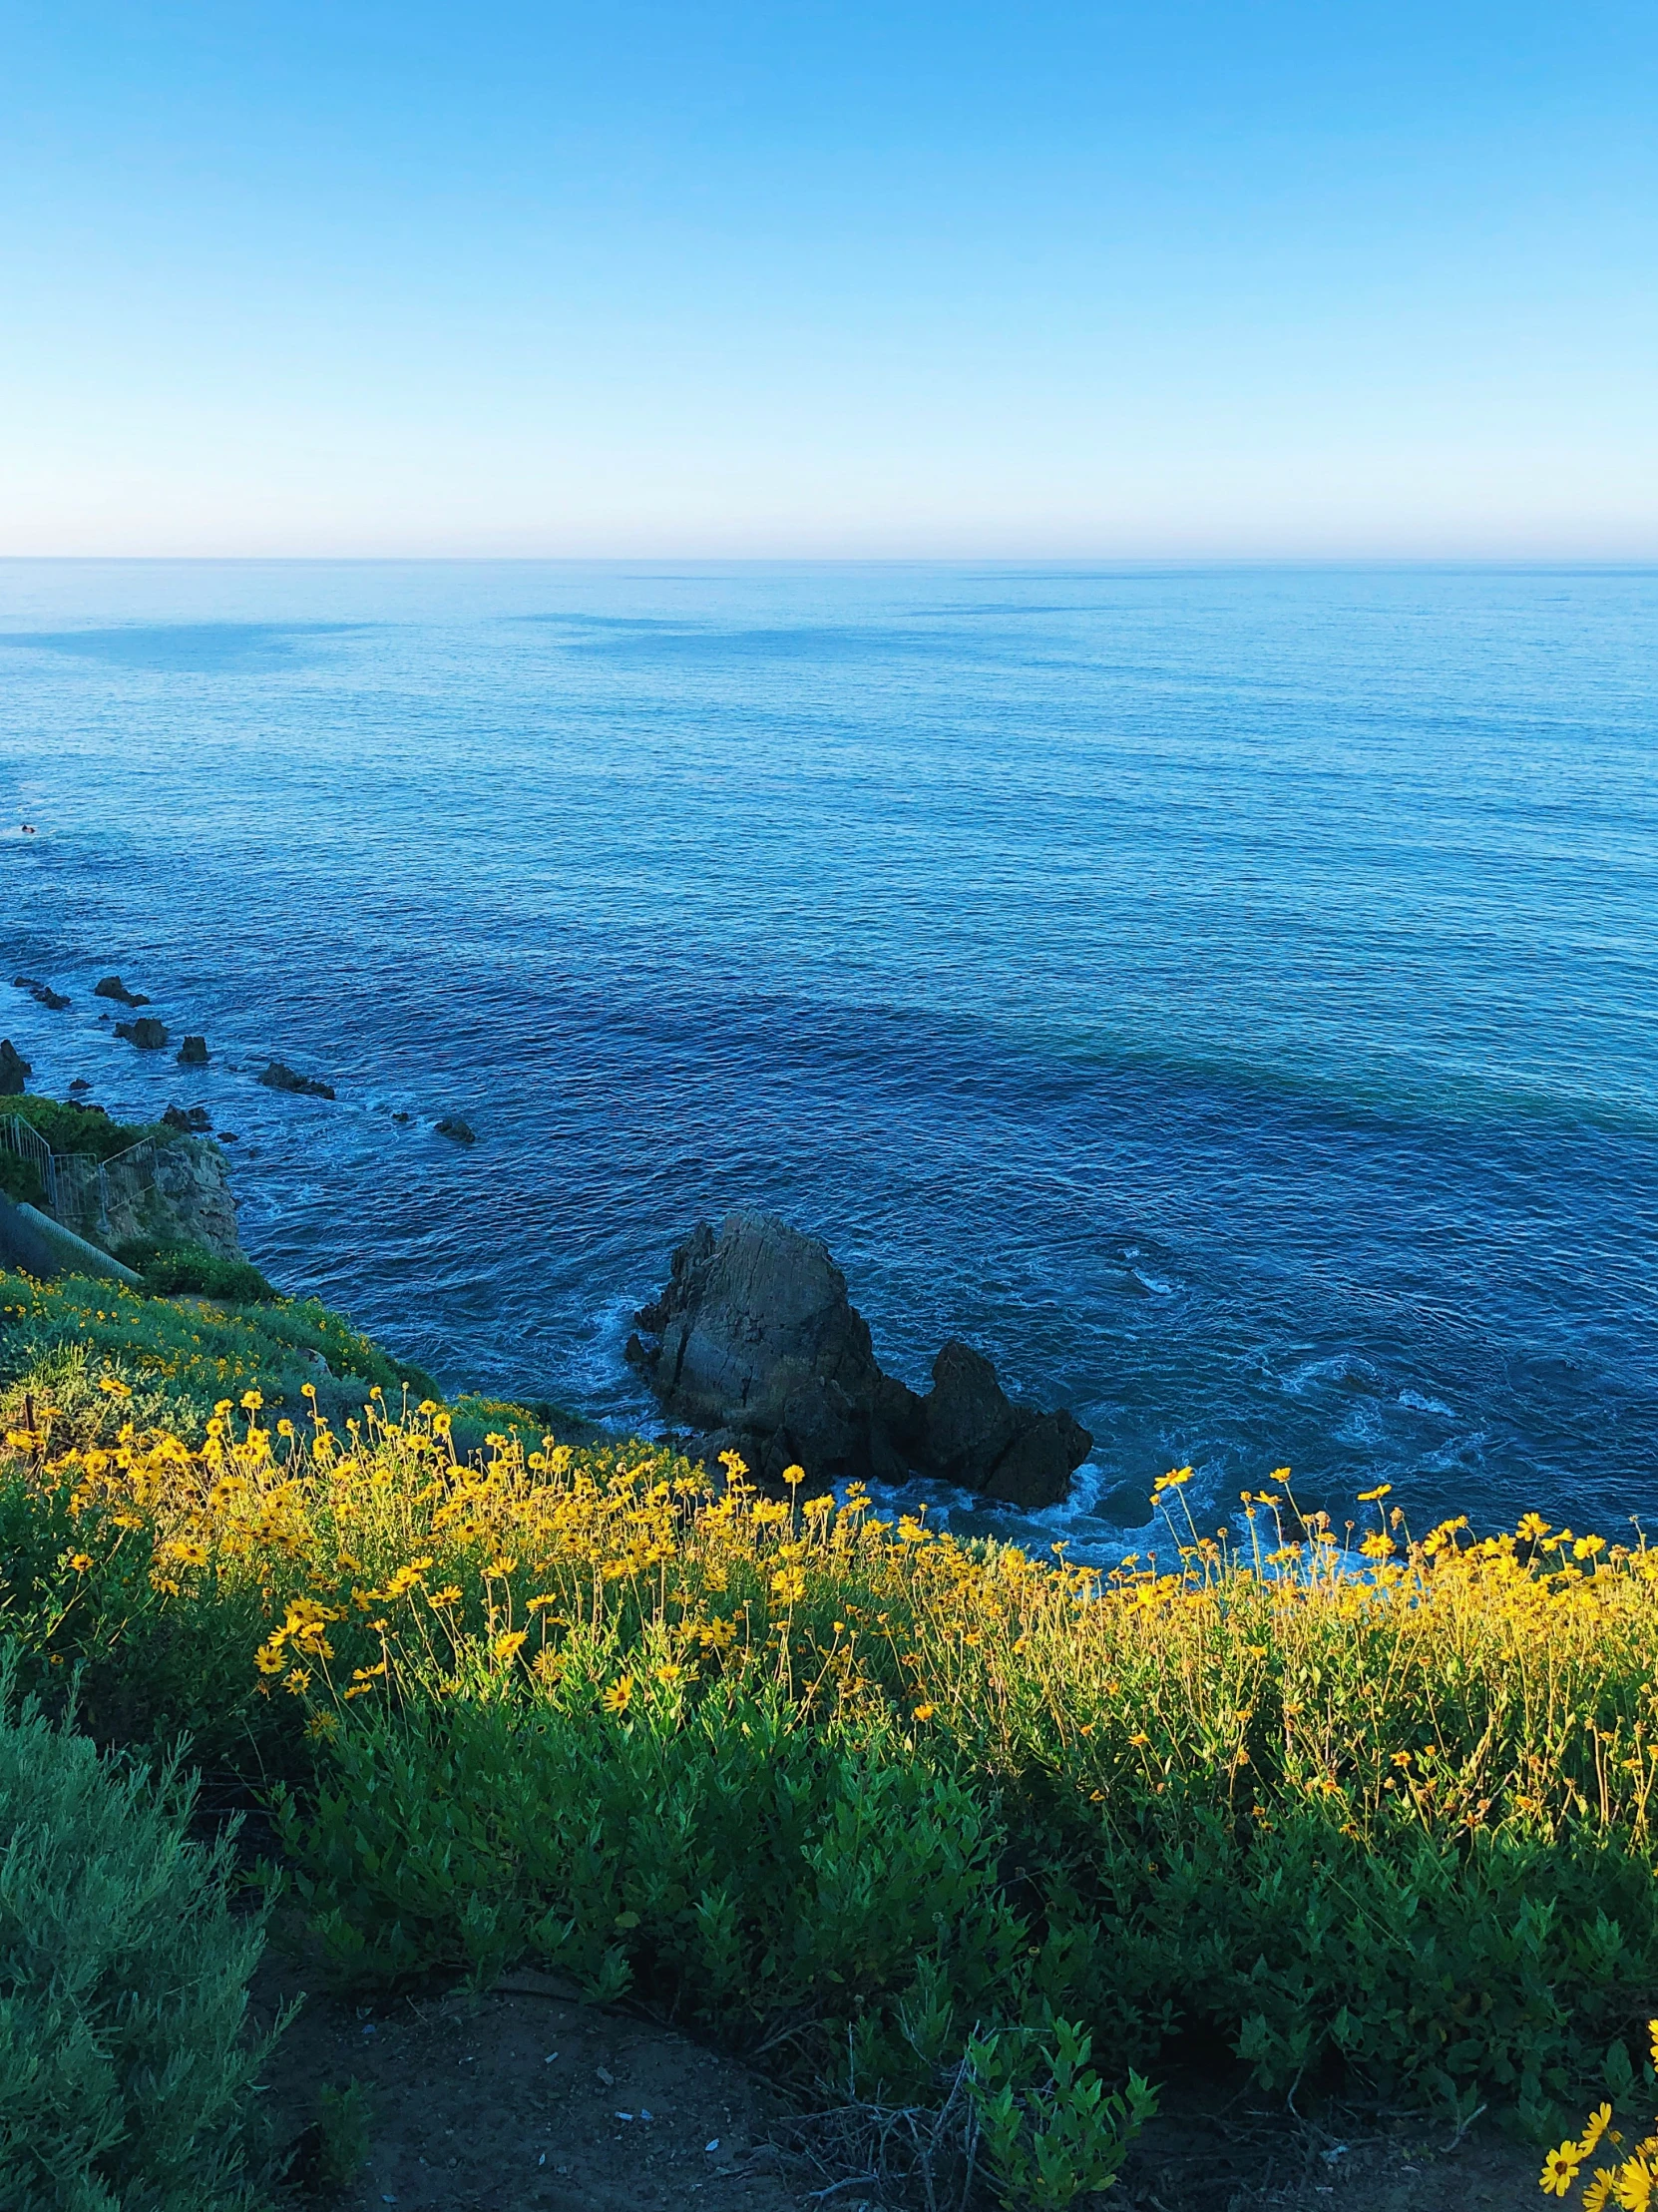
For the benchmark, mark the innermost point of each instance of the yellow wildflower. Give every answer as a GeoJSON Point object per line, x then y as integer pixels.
{"type": "Point", "coordinates": [1559, 2170]}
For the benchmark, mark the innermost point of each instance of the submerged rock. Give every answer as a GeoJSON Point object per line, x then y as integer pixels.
{"type": "Point", "coordinates": [15, 1071]}
{"type": "Point", "coordinates": [755, 1342]}
{"type": "Point", "coordinates": [1127, 1505]}
{"type": "Point", "coordinates": [112, 986]}
{"type": "Point", "coordinates": [278, 1076]}
{"type": "Point", "coordinates": [453, 1126]}
{"type": "Point", "coordinates": [145, 1033]}
{"type": "Point", "coordinates": [193, 1053]}
{"type": "Point", "coordinates": [41, 993]}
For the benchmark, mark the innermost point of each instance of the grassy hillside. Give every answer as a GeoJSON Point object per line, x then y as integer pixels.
{"type": "Point", "coordinates": [913, 1821]}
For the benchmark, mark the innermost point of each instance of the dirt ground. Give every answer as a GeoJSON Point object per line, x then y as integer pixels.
{"type": "Point", "coordinates": [529, 2101]}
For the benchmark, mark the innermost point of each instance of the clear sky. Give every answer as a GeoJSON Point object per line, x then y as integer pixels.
{"type": "Point", "coordinates": [828, 278]}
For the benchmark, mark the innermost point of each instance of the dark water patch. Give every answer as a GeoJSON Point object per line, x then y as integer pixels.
{"type": "Point", "coordinates": [181, 647]}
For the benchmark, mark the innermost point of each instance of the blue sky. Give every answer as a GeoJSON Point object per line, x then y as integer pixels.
{"type": "Point", "coordinates": [1162, 281]}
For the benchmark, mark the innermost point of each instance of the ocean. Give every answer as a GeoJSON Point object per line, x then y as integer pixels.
{"type": "Point", "coordinates": [1228, 997]}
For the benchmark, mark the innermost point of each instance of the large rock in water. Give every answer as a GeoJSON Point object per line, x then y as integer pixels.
{"type": "Point", "coordinates": [977, 1436]}
{"type": "Point", "coordinates": [755, 1343]}
{"type": "Point", "coordinates": [15, 1071]}
{"type": "Point", "coordinates": [112, 986]}
{"type": "Point", "coordinates": [755, 1337]}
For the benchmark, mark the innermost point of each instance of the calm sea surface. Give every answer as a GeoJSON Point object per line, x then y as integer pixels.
{"type": "Point", "coordinates": [1230, 997]}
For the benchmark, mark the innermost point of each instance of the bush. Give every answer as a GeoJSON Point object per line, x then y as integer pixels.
{"type": "Point", "coordinates": [68, 1127]}
{"type": "Point", "coordinates": [197, 1354]}
{"type": "Point", "coordinates": [125, 2073]}
{"type": "Point", "coordinates": [171, 1267]}
{"type": "Point", "coordinates": [757, 1759]}
{"type": "Point", "coordinates": [20, 1180]}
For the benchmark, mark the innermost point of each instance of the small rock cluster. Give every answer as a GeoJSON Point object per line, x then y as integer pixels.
{"type": "Point", "coordinates": [149, 1034]}
{"type": "Point", "coordinates": [755, 1343]}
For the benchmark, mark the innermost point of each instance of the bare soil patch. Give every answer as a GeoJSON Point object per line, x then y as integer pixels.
{"type": "Point", "coordinates": [527, 2099]}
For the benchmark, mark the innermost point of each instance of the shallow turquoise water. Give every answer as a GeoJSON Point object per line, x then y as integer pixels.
{"type": "Point", "coordinates": [1228, 997]}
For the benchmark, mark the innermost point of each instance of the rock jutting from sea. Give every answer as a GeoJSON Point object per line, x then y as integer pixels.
{"type": "Point", "coordinates": [755, 1344]}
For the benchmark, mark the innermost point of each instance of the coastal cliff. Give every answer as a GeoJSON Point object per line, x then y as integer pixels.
{"type": "Point", "coordinates": [189, 1201]}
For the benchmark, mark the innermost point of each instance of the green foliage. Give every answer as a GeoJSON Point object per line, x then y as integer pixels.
{"type": "Point", "coordinates": [344, 2141]}
{"type": "Point", "coordinates": [20, 1180]}
{"type": "Point", "coordinates": [196, 1353]}
{"type": "Point", "coordinates": [171, 1266]}
{"type": "Point", "coordinates": [125, 2073]}
{"type": "Point", "coordinates": [829, 1899]}
{"type": "Point", "coordinates": [475, 1419]}
{"type": "Point", "coordinates": [1052, 2138]}
{"type": "Point", "coordinates": [73, 1128]}
{"type": "Point", "coordinates": [773, 1884]}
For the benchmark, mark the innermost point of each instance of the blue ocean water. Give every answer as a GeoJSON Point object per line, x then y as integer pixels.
{"type": "Point", "coordinates": [1229, 997]}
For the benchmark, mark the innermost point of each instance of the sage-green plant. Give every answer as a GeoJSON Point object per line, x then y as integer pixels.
{"type": "Point", "coordinates": [126, 2072]}
{"type": "Point", "coordinates": [1050, 2130]}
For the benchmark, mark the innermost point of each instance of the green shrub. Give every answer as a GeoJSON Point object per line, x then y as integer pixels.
{"type": "Point", "coordinates": [344, 2138]}
{"type": "Point", "coordinates": [73, 1128]}
{"type": "Point", "coordinates": [125, 2071]}
{"type": "Point", "coordinates": [830, 1898]}
{"type": "Point", "coordinates": [739, 1871]}
{"type": "Point", "coordinates": [169, 1267]}
{"type": "Point", "coordinates": [20, 1180]}
{"type": "Point", "coordinates": [198, 1353]}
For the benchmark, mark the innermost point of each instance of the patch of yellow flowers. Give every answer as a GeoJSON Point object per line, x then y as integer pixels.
{"type": "Point", "coordinates": [1447, 1682]}
{"type": "Point", "coordinates": [1631, 2183]}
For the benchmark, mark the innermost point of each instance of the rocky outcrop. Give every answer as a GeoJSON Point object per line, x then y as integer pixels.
{"type": "Point", "coordinates": [189, 1201]}
{"type": "Point", "coordinates": [977, 1436]}
{"type": "Point", "coordinates": [145, 1033]}
{"type": "Point", "coordinates": [41, 993]}
{"type": "Point", "coordinates": [15, 1071]}
{"type": "Point", "coordinates": [193, 1053]}
{"type": "Point", "coordinates": [279, 1077]}
{"type": "Point", "coordinates": [193, 1120]}
{"type": "Point", "coordinates": [112, 986]}
{"type": "Point", "coordinates": [755, 1342]}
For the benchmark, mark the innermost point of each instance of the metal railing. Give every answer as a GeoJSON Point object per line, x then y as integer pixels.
{"type": "Point", "coordinates": [80, 1190]}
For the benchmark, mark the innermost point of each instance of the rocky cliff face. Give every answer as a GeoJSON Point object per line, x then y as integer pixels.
{"type": "Point", "coordinates": [190, 1202]}
{"type": "Point", "coordinates": [755, 1342]}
